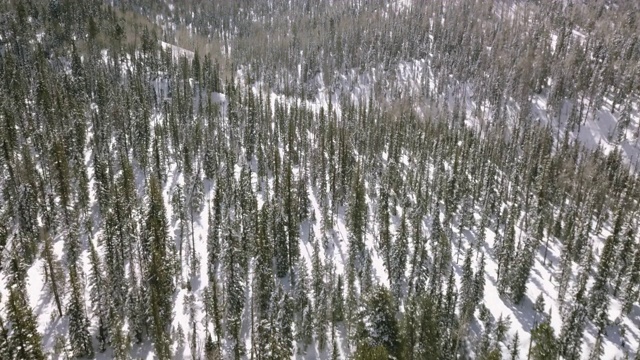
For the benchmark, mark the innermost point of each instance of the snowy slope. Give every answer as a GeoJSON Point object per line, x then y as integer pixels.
{"type": "Point", "coordinates": [410, 77]}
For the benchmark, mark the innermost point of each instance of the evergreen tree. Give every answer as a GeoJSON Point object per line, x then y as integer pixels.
{"type": "Point", "coordinates": [478, 283]}
{"type": "Point", "coordinates": [6, 349]}
{"type": "Point", "coordinates": [421, 329]}
{"type": "Point", "coordinates": [302, 304]}
{"type": "Point", "coordinates": [399, 259]}
{"type": "Point", "coordinates": [520, 275]}
{"type": "Point", "coordinates": [53, 271]}
{"type": "Point", "coordinates": [625, 255]}
{"type": "Point", "coordinates": [281, 249]}
{"type": "Point", "coordinates": [599, 294]}
{"type": "Point", "coordinates": [467, 289]}
{"type": "Point", "coordinates": [573, 322]}
{"type": "Point", "coordinates": [544, 342]}
{"type": "Point", "coordinates": [264, 287]}
{"type": "Point", "coordinates": [383, 219]}
{"type": "Point", "coordinates": [24, 340]}
{"type": "Point", "coordinates": [283, 321]}
{"type": "Point", "coordinates": [369, 352]}
{"type": "Point", "coordinates": [213, 237]}
{"type": "Point", "coordinates": [159, 276]}
{"type": "Point", "coordinates": [235, 292]}
{"type": "Point", "coordinates": [505, 252]}
{"type": "Point", "coordinates": [514, 348]}
{"type": "Point", "coordinates": [598, 348]}
{"type": "Point", "coordinates": [79, 337]}
{"type": "Point", "coordinates": [98, 297]}
{"type": "Point", "coordinates": [380, 327]}
{"type": "Point", "coordinates": [632, 288]}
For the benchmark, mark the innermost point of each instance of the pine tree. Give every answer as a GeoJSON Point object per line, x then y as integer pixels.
{"type": "Point", "coordinates": [383, 220]}
{"type": "Point", "coordinates": [159, 277]}
{"type": "Point", "coordinates": [449, 320]}
{"type": "Point", "coordinates": [99, 300]}
{"type": "Point", "coordinates": [210, 351]}
{"type": "Point", "coordinates": [399, 259]}
{"type": "Point", "coordinates": [335, 350]}
{"type": "Point", "coordinates": [379, 320]}
{"type": "Point", "coordinates": [53, 272]}
{"type": "Point", "coordinates": [502, 326]}
{"type": "Point", "coordinates": [598, 348]}
{"type": "Point", "coordinates": [281, 250]}
{"type": "Point", "coordinates": [431, 332]}
{"type": "Point", "coordinates": [283, 347]}
{"type": "Point", "coordinates": [6, 348]}
{"type": "Point", "coordinates": [136, 314]}
{"type": "Point", "coordinates": [484, 346]}
{"type": "Point", "coordinates": [213, 234]}
{"type": "Point", "coordinates": [79, 337]}
{"type": "Point", "coordinates": [24, 339]}
{"type": "Point", "coordinates": [565, 272]}
{"type": "Point", "coordinates": [632, 288]}
{"type": "Point", "coordinates": [514, 348]}
{"type": "Point", "coordinates": [599, 295]}
{"type": "Point", "coordinates": [478, 283]}
{"type": "Point", "coordinates": [317, 273]}
{"type": "Point", "coordinates": [520, 275]}
{"type": "Point", "coordinates": [369, 352]}
{"type": "Point", "coordinates": [235, 291]}
{"type": "Point", "coordinates": [179, 213]}
{"type": "Point", "coordinates": [625, 254]}
{"type": "Point", "coordinates": [263, 287]}
{"type": "Point", "coordinates": [505, 251]}
{"type": "Point", "coordinates": [302, 304]}
{"type": "Point", "coordinates": [467, 289]}
{"type": "Point", "coordinates": [544, 342]}
{"type": "Point", "coordinates": [573, 321]}
{"type": "Point", "coordinates": [482, 234]}
{"type": "Point", "coordinates": [357, 225]}
{"type": "Point", "coordinates": [322, 317]}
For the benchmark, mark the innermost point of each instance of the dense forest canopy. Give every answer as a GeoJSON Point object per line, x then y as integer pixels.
{"type": "Point", "coordinates": [362, 179]}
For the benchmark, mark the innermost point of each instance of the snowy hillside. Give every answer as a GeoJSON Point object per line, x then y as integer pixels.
{"type": "Point", "coordinates": [376, 184]}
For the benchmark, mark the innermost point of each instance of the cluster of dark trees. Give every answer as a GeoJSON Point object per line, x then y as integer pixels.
{"type": "Point", "coordinates": [94, 157]}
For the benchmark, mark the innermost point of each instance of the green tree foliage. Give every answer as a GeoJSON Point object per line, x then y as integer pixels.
{"type": "Point", "coordinates": [544, 342]}
{"type": "Point", "coordinates": [24, 340]}
{"type": "Point", "coordinates": [369, 352]}
{"type": "Point", "coordinates": [159, 276]}
{"type": "Point", "coordinates": [599, 294]}
{"type": "Point", "coordinates": [379, 326]}
{"type": "Point", "coordinates": [79, 336]}
{"type": "Point", "coordinates": [520, 275]}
